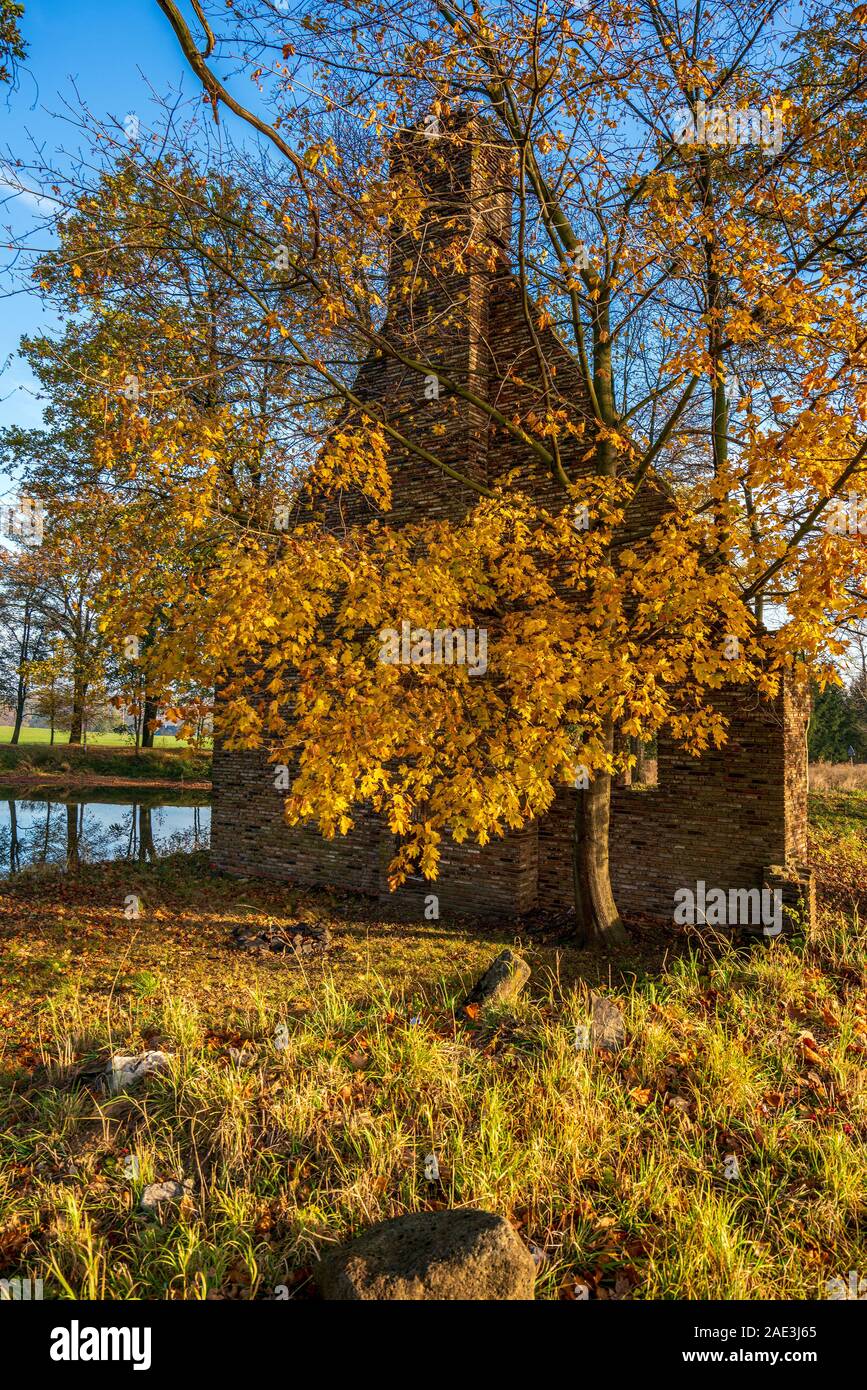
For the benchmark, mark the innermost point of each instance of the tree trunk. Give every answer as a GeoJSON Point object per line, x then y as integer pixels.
{"type": "Point", "coordinates": [21, 689]}
{"type": "Point", "coordinates": [79, 695]}
{"type": "Point", "coordinates": [596, 917]}
{"type": "Point", "coordinates": [149, 719]}
{"type": "Point", "coordinates": [20, 702]}
{"type": "Point", "coordinates": [19, 716]}
{"type": "Point", "coordinates": [597, 920]}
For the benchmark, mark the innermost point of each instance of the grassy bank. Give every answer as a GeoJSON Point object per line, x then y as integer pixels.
{"type": "Point", "coordinates": [614, 1166]}
{"type": "Point", "coordinates": [32, 762]}
{"type": "Point", "coordinates": [838, 849]}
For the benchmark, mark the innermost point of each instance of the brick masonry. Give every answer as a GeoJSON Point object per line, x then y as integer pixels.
{"type": "Point", "coordinates": [736, 817]}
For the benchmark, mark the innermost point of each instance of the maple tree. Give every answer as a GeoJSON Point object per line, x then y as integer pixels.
{"type": "Point", "coordinates": [708, 295]}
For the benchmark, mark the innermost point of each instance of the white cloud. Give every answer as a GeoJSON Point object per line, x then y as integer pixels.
{"type": "Point", "coordinates": [38, 202]}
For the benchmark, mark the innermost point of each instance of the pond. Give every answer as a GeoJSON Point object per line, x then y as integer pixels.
{"type": "Point", "coordinates": [72, 828]}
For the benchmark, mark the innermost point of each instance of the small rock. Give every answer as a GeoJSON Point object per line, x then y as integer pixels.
{"type": "Point", "coordinates": [123, 1071]}
{"type": "Point", "coordinates": [502, 980]}
{"type": "Point", "coordinates": [607, 1025]}
{"type": "Point", "coordinates": [436, 1255]}
{"type": "Point", "coordinates": [679, 1103]}
{"type": "Point", "coordinates": [158, 1195]}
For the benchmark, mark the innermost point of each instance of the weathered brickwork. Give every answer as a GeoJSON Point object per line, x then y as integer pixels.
{"type": "Point", "coordinates": [733, 818]}
{"type": "Point", "coordinates": [726, 818]}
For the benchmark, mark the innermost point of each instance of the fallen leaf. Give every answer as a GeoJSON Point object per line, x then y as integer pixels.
{"type": "Point", "coordinates": [810, 1049]}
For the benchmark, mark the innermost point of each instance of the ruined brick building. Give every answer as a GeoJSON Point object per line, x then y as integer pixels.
{"type": "Point", "coordinates": [735, 818]}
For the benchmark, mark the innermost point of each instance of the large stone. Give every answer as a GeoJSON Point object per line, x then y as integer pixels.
{"type": "Point", "coordinates": [123, 1071]}
{"type": "Point", "coordinates": [444, 1255]}
{"type": "Point", "coordinates": [607, 1025]}
{"type": "Point", "coordinates": [502, 980]}
{"type": "Point", "coordinates": [157, 1196]}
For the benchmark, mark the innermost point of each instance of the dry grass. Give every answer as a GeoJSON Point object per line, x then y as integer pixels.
{"type": "Point", "coordinates": [838, 777]}
{"type": "Point", "coordinates": [613, 1166]}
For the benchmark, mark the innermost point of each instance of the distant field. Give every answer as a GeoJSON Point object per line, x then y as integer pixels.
{"type": "Point", "coordinates": [106, 740]}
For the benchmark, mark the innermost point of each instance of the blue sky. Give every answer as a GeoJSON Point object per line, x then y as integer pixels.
{"type": "Point", "coordinates": [104, 49]}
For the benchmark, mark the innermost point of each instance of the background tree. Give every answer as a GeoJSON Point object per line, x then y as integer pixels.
{"type": "Point", "coordinates": [64, 572]}
{"type": "Point", "coordinates": [23, 632]}
{"type": "Point", "coordinates": [834, 727]}
{"type": "Point", "coordinates": [50, 692]}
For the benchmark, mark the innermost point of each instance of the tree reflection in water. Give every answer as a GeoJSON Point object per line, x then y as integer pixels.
{"type": "Point", "coordinates": [68, 832]}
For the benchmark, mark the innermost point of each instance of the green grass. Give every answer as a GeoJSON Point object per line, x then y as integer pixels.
{"type": "Point", "coordinates": [839, 813]}
{"type": "Point", "coordinates": [110, 740]}
{"type": "Point", "coordinates": [613, 1165]}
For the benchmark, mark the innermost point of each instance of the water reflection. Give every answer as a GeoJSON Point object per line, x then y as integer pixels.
{"type": "Point", "coordinates": [70, 830]}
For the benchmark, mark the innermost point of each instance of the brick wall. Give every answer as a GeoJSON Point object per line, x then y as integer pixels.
{"type": "Point", "coordinates": [250, 837]}
{"type": "Point", "coordinates": [726, 817]}
{"type": "Point", "coordinates": [734, 818]}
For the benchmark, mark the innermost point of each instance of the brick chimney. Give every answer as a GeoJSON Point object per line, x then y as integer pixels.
{"type": "Point", "coordinates": [454, 183]}
{"type": "Point", "coordinates": [453, 190]}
